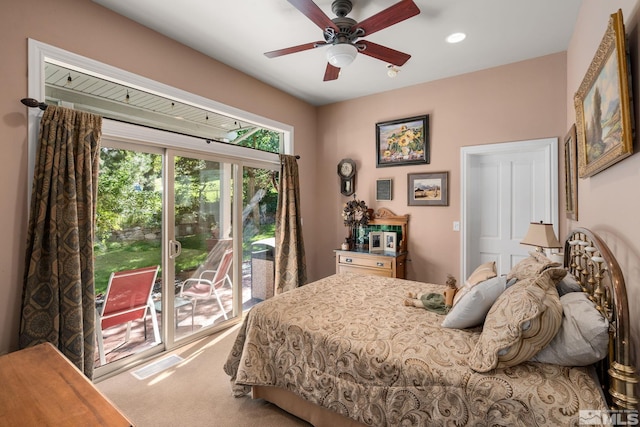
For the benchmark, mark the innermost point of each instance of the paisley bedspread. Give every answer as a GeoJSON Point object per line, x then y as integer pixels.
{"type": "Point", "coordinates": [347, 343]}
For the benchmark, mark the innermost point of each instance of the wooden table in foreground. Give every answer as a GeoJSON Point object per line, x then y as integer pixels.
{"type": "Point", "coordinates": [40, 387]}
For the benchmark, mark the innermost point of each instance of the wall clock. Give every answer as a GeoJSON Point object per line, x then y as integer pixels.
{"type": "Point", "coordinates": [347, 174]}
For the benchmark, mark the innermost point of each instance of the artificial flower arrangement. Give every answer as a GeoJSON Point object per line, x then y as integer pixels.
{"type": "Point", "coordinates": [355, 214]}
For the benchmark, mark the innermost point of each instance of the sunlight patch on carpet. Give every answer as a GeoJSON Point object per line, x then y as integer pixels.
{"type": "Point", "coordinates": [157, 366]}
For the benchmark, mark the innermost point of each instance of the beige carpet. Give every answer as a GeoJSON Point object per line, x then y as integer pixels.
{"type": "Point", "coordinates": [195, 392]}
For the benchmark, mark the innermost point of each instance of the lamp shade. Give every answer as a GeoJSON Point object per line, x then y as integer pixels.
{"type": "Point", "coordinates": [342, 54]}
{"type": "Point", "coordinates": [541, 235]}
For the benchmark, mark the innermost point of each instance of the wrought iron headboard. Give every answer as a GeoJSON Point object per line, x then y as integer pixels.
{"type": "Point", "coordinates": [591, 262]}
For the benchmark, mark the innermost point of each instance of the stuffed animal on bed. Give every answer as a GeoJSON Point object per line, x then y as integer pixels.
{"type": "Point", "coordinates": [439, 303]}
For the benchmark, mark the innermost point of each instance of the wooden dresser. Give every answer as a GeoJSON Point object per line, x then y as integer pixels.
{"type": "Point", "coordinates": [379, 264]}
{"type": "Point", "coordinates": [40, 387]}
{"type": "Point", "coordinates": [366, 263]}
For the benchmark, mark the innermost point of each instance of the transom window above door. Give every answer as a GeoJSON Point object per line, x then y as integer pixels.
{"type": "Point", "coordinates": [82, 91]}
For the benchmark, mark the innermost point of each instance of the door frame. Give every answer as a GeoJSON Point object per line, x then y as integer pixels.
{"type": "Point", "coordinates": [549, 146]}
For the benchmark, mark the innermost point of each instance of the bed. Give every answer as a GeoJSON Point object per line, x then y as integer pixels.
{"type": "Point", "coordinates": [346, 350]}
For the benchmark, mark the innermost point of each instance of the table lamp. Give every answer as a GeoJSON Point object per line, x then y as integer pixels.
{"type": "Point", "coordinates": [541, 236]}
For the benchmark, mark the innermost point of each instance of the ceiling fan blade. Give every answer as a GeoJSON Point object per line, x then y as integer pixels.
{"type": "Point", "coordinates": [313, 12]}
{"type": "Point", "coordinates": [383, 53]}
{"type": "Point", "coordinates": [386, 18]}
{"type": "Point", "coordinates": [331, 73]}
{"type": "Point", "coordinates": [293, 49]}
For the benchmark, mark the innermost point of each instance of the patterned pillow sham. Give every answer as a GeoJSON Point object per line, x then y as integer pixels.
{"type": "Point", "coordinates": [583, 338]}
{"type": "Point", "coordinates": [482, 272]}
{"type": "Point", "coordinates": [523, 320]}
{"type": "Point", "coordinates": [531, 266]}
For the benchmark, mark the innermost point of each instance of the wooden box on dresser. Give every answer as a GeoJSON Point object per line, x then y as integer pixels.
{"type": "Point", "coordinates": [379, 264]}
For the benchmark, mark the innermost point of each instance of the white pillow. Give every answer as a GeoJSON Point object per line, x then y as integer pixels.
{"type": "Point", "coordinates": [475, 302]}
{"type": "Point", "coordinates": [583, 337]}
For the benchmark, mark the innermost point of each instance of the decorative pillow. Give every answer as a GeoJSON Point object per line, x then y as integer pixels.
{"type": "Point", "coordinates": [531, 266]}
{"type": "Point", "coordinates": [523, 320]}
{"type": "Point", "coordinates": [481, 273]}
{"type": "Point", "coordinates": [474, 302]}
{"type": "Point", "coordinates": [567, 285]}
{"type": "Point", "coordinates": [583, 337]}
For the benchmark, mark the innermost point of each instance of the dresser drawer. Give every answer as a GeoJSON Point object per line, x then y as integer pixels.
{"type": "Point", "coordinates": [361, 261]}
{"type": "Point", "coordinates": [344, 268]}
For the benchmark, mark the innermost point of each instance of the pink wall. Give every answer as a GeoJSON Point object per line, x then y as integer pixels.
{"type": "Point", "coordinates": [521, 101]}
{"type": "Point", "coordinates": [84, 28]}
{"type": "Point", "coordinates": [609, 202]}
{"type": "Point", "coordinates": [527, 100]}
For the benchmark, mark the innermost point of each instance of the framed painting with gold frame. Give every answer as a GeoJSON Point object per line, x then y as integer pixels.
{"type": "Point", "coordinates": [571, 174]}
{"type": "Point", "coordinates": [602, 102]}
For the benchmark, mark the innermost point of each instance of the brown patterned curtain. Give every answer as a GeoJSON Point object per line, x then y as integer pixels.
{"type": "Point", "coordinates": [58, 297]}
{"type": "Point", "coordinates": [291, 268]}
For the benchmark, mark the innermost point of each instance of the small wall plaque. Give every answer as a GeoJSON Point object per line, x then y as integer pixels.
{"type": "Point", "coordinates": [383, 189]}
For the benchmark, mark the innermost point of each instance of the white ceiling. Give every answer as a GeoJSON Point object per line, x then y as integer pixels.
{"type": "Point", "coordinates": [238, 32]}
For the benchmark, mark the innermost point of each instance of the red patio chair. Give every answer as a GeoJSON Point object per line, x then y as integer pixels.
{"type": "Point", "coordinates": [202, 288]}
{"type": "Point", "coordinates": [128, 298]}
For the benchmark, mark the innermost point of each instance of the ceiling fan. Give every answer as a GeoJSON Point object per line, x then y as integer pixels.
{"type": "Point", "coordinates": [342, 34]}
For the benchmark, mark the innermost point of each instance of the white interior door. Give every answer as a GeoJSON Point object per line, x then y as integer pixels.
{"type": "Point", "coordinates": [504, 188]}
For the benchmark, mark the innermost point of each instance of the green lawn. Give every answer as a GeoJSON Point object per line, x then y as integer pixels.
{"type": "Point", "coordinates": [130, 255]}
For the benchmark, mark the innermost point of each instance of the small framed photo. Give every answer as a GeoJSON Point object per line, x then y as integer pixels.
{"type": "Point", "coordinates": [389, 241]}
{"type": "Point", "coordinates": [384, 189]}
{"type": "Point", "coordinates": [428, 189]}
{"type": "Point", "coordinates": [375, 241]}
{"type": "Point", "coordinates": [402, 142]}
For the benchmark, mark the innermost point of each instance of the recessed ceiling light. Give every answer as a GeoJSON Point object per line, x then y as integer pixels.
{"type": "Point", "coordinates": [456, 37]}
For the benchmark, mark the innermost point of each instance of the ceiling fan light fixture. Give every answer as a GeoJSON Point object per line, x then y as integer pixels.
{"type": "Point", "coordinates": [342, 54]}
{"type": "Point", "coordinates": [456, 37]}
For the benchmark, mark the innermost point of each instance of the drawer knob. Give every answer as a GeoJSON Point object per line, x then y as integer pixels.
{"type": "Point", "coordinates": [348, 260]}
{"type": "Point", "coordinates": [380, 264]}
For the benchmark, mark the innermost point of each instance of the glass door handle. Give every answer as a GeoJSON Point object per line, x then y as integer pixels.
{"type": "Point", "coordinates": [175, 248]}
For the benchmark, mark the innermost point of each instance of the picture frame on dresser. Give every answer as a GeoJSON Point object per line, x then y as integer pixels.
{"type": "Point", "coordinates": [603, 104]}
{"type": "Point", "coordinates": [375, 241]}
{"type": "Point", "coordinates": [390, 241]}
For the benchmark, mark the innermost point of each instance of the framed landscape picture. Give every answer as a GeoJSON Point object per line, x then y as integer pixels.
{"type": "Point", "coordinates": [428, 189]}
{"type": "Point", "coordinates": [402, 142]}
{"type": "Point", "coordinates": [602, 102]}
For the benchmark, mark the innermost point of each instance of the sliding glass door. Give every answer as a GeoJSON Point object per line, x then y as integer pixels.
{"type": "Point", "coordinates": [128, 236]}
{"type": "Point", "coordinates": [174, 210]}
{"type": "Point", "coordinates": [201, 246]}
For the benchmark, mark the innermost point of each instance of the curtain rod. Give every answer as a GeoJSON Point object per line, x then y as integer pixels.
{"type": "Point", "coordinates": [33, 103]}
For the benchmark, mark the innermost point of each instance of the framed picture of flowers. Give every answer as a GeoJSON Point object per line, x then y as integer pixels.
{"type": "Point", "coordinates": [403, 142]}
